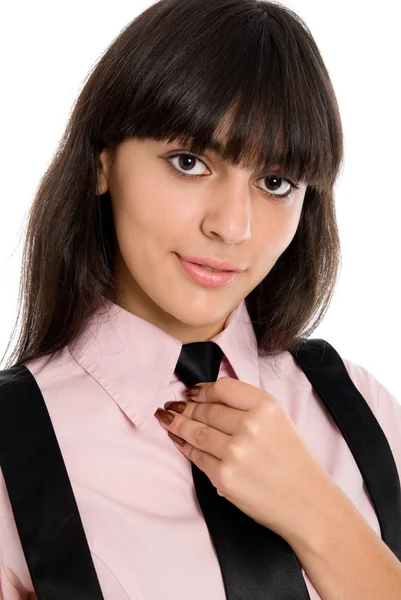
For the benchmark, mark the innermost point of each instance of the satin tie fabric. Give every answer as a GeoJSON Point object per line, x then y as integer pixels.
{"type": "Point", "coordinates": [199, 362]}
{"type": "Point", "coordinates": [256, 563]}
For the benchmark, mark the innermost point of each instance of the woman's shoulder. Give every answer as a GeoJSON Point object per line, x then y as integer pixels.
{"type": "Point", "coordinates": [284, 368]}
{"type": "Point", "coordinates": [383, 403]}
{"type": "Point", "coordinates": [51, 373]}
{"type": "Point", "coordinates": [282, 374]}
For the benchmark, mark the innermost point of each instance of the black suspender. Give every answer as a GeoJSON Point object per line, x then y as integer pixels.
{"type": "Point", "coordinates": [329, 377]}
{"type": "Point", "coordinates": [41, 495]}
{"type": "Point", "coordinates": [45, 509]}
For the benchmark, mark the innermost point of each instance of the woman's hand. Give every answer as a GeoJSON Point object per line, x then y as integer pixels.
{"type": "Point", "coordinates": [243, 439]}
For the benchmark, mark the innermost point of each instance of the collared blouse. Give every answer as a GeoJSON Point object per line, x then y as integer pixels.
{"type": "Point", "coordinates": [133, 487]}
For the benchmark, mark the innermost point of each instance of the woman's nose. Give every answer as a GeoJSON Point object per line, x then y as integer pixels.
{"type": "Point", "coordinates": [228, 211]}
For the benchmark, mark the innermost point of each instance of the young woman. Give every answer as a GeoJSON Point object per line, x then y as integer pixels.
{"type": "Point", "coordinates": [190, 200]}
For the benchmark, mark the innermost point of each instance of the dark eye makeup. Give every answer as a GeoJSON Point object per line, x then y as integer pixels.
{"type": "Point", "coordinates": [273, 176]}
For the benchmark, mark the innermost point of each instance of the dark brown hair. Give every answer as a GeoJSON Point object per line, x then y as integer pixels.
{"type": "Point", "coordinates": [179, 70]}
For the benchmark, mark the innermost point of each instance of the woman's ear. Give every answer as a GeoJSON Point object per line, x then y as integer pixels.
{"type": "Point", "coordinates": [102, 184]}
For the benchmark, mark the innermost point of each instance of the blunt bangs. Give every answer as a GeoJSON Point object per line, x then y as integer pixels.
{"type": "Point", "coordinates": [235, 78]}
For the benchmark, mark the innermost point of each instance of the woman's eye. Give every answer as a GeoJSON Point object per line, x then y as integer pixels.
{"type": "Point", "coordinates": [277, 186]}
{"type": "Point", "coordinates": [188, 164]}
{"type": "Point", "coordinates": [185, 163]}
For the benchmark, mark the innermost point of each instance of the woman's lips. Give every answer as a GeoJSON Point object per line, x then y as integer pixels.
{"type": "Point", "coordinates": [208, 278]}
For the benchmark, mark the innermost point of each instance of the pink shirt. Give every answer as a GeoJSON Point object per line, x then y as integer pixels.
{"type": "Point", "coordinates": [133, 487]}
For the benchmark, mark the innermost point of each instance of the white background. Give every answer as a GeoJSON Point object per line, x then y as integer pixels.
{"type": "Point", "coordinates": [47, 49]}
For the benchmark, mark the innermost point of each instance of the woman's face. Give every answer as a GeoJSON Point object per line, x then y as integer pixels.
{"type": "Point", "coordinates": [225, 214]}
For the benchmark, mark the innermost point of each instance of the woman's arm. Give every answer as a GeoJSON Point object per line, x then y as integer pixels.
{"type": "Point", "coordinates": [342, 555]}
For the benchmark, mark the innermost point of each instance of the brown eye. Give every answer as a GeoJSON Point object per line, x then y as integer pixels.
{"type": "Point", "coordinates": [275, 184]}
{"type": "Point", "coordinates": [187, 163]}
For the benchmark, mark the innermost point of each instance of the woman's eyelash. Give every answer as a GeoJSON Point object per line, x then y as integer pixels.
{"type": "Point", "coordinates": [293, 185]}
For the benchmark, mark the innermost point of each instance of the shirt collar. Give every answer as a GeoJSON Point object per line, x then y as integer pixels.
{"type": "Point", "coordinates": [134, 360]}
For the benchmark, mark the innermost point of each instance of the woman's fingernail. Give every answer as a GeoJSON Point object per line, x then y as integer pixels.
{"type": "Point", "coordinates": [177, 407]}
{"type": "Point", "coordinates": [192, 391]}
{"type": "Point", "coordinates": [164, 416]}
{"type": "Point", "coordinates": [176, 439]}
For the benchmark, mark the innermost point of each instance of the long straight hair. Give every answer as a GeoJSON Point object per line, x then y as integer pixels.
{"type": "Point", "coordinates": [180, 70]}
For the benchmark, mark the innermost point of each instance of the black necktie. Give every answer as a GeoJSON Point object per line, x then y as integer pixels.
{"type": "Point", "coordinates": [256, 563]}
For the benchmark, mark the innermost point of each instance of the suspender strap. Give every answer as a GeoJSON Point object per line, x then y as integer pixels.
{"type": "Point", "coordinates": [41, 496]}
{"type": "Point", "coordinates": [328, 375]}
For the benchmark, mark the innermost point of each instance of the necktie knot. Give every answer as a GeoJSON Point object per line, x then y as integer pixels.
{"type": "Point", "coordinates": [199, 362]}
